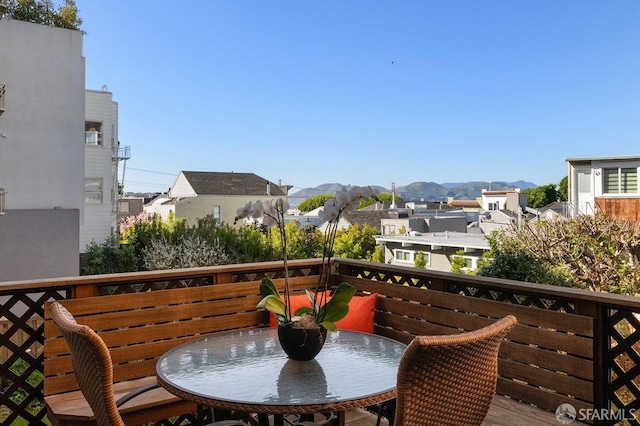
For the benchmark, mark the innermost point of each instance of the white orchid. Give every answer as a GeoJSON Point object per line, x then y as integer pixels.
{"type": "Point", "coordinates": [272, 214]}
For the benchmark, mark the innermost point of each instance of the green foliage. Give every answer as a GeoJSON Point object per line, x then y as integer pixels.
{"type": "Point", "coordinates": [541, 196]}
{"type": "Point", "coordinates": [303, 242]}
{"type": "Point", "coordinates": [356, 242]}
{"type": "Point", "coordinates": [384, 197]}
{"type": "Point", "coordinates": [43, 12]}
{"type": "Point", "coordinates": [378, 254]}
{"type": "Point", "coordinates": [457, 263]}
{"type": "Point", "coordinates": [242, 245]}
{"type": "Point", "coordinates": [143, 234]}
{"type": "Point", "coordinates": [563, 189]}
{"type": "Point", "coordinates": [109, 257]}
{"type": "Point", "coordinates": [522, 266]}
{"type": "Point", "coordinates": [314, 202]}
{"type": "Point", "coordinates": [420, 261]}
{"type": "Point", "coordinates": [593, 252]}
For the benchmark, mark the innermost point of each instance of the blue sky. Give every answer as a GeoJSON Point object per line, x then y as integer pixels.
{"type": "Point", "coordinates": [366, 92]}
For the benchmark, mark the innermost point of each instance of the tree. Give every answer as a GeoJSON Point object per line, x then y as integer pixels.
{"type": "Point", "coordinates": [109, 257]}
{"type": "Point", "coordinates": [43, 12]}
{"type": "Point", "coordinates": [590, 252]}
{"type": "Point", "coordinates": [356, 242]}
{"type": "Point", "coordinates": [420, 261]}
{"type": "Point", "coordinates": [563, 189]}
{"type": "Point", "coordinates": [541, 196]}
{"type": "Point", "coordinates": [314, 202]}
{"type": "Point", "coordinates": [384, 197]}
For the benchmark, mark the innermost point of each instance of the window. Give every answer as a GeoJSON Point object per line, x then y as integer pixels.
{"type": "Point", "coordinates": [620, 180]}
{"type": "Point", "coordinates": [92, 133]}
{"type": "Point", "coordinates": [470, 262]}
{"type": "Point", "coordinates": [409, 256]}
{"type": "Point", "coordinates": [584, 182]}
{"type": "Point", "coordinates": [494, 206]}
{"type": "Point", "coordinates": [123, 206]}
{"type": "Point", "coordinates": [216, 214]}
{"type": "Point", "coordinates": [93, 190]}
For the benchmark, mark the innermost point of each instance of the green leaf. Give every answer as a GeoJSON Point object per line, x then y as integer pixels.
{"type": "Point", "coordinates": [344, 292]}
{"type": "Point", "coordinates": [336, 311]}
{"type": "Point", "coordinates": [267, 287]}
{"type": "Point", "coordinates": [303, 310]}
{"type": "Point", "coordinates": [272, 303]}
{"type": "Point", "coordinates": [329, 325]}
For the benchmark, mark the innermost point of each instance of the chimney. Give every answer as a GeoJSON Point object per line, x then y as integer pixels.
{"type": "Point", "coordinates": [268, 188]}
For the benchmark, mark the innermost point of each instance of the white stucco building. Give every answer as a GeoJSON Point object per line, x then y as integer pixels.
{"type": "Point", "coordinates": [102, 156]}
{"type": "Point", "coordinates": [41, 150]}
{"type": "Point", "coordinates": [606, 185]}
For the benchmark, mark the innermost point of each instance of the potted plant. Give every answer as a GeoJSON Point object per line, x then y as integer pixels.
{"type": "Point", "coordinates": [305, 329]}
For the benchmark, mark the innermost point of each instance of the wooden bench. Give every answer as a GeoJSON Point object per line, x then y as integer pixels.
{"type": "Point", "coordinates": [547, 360]}
{"type": "Point", "coordinates": [138, 329]}
{"type": "Point", "coordinates": [546, 350]}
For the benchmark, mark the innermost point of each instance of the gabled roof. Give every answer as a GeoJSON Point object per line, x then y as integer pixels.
{"type": "Point", "coordinates": [223, 183]}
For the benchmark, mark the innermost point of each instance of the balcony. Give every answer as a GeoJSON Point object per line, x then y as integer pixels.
{"type": "Point", "coordinates": [570, 346]}
{"type": "Point", "coordinates": [124, 153]}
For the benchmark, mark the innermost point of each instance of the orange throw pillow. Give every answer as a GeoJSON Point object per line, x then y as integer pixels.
{"type": "Point", "coordinates": [297, 302]}
{"type": "Point", "coordinates": [360, 316]}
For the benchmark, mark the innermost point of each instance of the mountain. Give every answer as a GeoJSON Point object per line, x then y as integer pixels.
{"type": "Point", "coordinates": [420, 191]}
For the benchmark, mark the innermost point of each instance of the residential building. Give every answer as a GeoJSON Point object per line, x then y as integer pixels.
{"type": "Point", "coordinates": [466, 205]}
{"type": "Point", "coordinates": [219, 194]}
{"type": "Point", "coordinates": [509, 199]}
{"type": "Point", "coordinates": [129, 206]}
{"type": "Point", "coordinates": [437, 248]}
{"type": "Point", "coordinates": [402, 222]}
{"type": "Point", "coordinates": [162, 206]}
{"type": "Point", "coordinates": [606, 185]}
{"type": "Point", "coordinates": [41, 150]}
{"type": "Point", "coordinates": [103, 154]}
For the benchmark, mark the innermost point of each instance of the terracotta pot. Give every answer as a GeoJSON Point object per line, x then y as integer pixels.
{"type": "Point", "coordinates": [301, 344]}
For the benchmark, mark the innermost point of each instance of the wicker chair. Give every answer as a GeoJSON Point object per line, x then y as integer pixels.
{"type": "Point", "coordinates": [94, 370]}
{"type": "Point", "coordinates": [450, 380]}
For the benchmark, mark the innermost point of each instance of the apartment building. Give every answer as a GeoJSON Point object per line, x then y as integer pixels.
{"type": "Point", "coordinates": [102, 155]}
{"type": "Point", "coordinates": [41, 152]}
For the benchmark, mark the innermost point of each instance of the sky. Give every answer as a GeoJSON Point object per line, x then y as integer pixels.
{"type": "Point", "coordinates": [366, 92]}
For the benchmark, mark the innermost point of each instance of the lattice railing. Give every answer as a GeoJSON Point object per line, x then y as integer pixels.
{"type": "Point", "coordinates": [22, 325]}
{"type": "Point", "coordinates": [21, 355]}
{"type": "Point", "coordinates": [616, 318]}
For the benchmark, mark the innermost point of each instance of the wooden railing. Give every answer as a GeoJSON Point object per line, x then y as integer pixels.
{"type": "Point", "coordinates": [598, 367]}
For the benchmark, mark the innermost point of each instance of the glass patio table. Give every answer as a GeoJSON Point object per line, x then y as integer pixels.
{"type": "Point", "coordinates": [248, 371]}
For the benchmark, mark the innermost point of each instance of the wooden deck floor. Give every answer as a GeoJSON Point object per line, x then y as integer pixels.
{"type": "Point", "coordinates": [503, 412]}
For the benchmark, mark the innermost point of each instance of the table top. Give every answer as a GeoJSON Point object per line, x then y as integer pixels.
{"type": "Point", "coordinates": [248, 371]}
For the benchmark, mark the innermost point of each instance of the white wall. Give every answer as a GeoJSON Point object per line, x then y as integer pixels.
{"type": "Point", "coordinates": [42, 129]}
{"type": "Point", "coordinates": [41, 148]}
{"type": "Point", "coordinates": [99, 220]}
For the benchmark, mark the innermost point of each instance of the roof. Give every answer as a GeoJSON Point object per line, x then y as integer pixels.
{"type": "Point", "coordinates": [464, 203]}
{"type": "Point", "coordinates": [367, 217]}
{"type": "Point", "coordinates": [440, 239]}
{"type": "Point", "coordinates": [500, 192]}
{"type": "Point", "coordinates": [612, 158]}
{"type": "Point", "coordinates": [223, 183]}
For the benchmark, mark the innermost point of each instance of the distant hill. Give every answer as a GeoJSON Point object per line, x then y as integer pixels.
{"type": "Point", "coordinates": [420, 191]}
